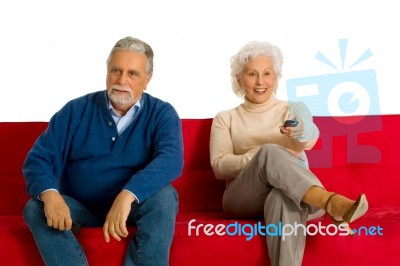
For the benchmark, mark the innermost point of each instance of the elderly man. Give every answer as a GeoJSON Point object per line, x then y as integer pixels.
{"type": "Point", "coordinates": [108, 159]}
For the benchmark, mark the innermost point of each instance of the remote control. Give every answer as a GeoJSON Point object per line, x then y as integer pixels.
{"type": "Point", "coordinates": [290, 123]}
{"type": "Point", "coordinates": [75, 227]}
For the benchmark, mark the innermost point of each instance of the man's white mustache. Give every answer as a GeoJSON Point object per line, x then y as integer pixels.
{"type": "Point", "coordinates": [120, 88]}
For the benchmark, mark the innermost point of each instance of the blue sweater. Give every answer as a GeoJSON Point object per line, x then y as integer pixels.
{"type": "Point", "coordinates": [81, 155]}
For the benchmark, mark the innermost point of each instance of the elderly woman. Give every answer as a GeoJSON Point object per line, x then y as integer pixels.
{"type": "Point", "coordinates": [263, 161]}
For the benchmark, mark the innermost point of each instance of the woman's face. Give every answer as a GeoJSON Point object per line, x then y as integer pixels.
{"type": "Point", "coordinates": [258, 79]}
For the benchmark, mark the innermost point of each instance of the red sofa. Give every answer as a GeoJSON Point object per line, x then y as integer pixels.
{"type": "Point", "coordinates": [353, 155]}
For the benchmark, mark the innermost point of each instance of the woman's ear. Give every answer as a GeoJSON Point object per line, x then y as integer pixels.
{"type": "Point", "coordinates": [238, 80]}
{"type": "Point", "coordinates": [276, 85]}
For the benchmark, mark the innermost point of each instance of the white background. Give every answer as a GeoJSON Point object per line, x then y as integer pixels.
{"type": "Point", "coordinates": [53, 51]}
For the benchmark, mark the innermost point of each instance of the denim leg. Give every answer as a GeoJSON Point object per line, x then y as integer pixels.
{"type": "Point", "coordinates": [155, 220]}
{"type": "Point", "coordinates": [58, 247]}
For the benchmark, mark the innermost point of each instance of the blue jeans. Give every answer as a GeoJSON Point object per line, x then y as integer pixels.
{"type": "Point", "coordinates": [154, 218]}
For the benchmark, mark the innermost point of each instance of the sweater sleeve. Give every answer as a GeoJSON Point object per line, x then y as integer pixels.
{"type": "Point", "coordinates": [45, 161]}
{"type": "Point", "coordinates": [167, 161]}
{"type": "Point", "coordinates": [224, 162]}
{"type": "Point", "coordinates": [311, 133]}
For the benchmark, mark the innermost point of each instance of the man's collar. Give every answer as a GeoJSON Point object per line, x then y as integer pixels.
{"type": "Point", "coordinates": [138, 104]}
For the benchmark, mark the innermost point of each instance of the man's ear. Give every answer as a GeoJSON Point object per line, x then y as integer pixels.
{"type": "Point", "coordinates": [149, 76]}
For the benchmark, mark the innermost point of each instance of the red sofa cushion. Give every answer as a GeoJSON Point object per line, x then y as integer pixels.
{"type": "Point", "coordinates": [373, 141]}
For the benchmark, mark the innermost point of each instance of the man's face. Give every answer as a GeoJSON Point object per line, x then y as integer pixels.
{"type": "Point", "coordinates": [126, 79]}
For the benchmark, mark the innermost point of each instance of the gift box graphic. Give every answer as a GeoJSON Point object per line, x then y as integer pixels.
{"type": "Point", "coordinates": [350, 98]}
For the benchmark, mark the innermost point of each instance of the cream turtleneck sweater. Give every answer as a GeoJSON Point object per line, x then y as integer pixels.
{"type": "Point", "coordinates": [238, 133]}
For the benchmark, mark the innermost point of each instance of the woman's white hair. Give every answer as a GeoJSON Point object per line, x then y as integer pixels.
{"type": "Point", "coordinates": [251, 51]}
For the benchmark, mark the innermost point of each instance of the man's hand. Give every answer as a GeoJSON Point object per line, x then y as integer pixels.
{"type": "Point", "coordinates": [56, 211]}
{"type": "Point", "coordinates": [115, 224]}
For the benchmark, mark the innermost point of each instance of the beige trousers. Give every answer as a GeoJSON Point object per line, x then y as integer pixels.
{"type": "Point", "coordinates": [273, 183]}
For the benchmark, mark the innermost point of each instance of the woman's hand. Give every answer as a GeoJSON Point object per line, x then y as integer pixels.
{"type": "Point", "coordinates": [293, 132]}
